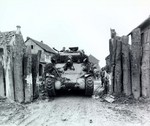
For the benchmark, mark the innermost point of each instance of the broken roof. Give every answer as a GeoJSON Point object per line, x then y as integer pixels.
{"type": "Point", "coordinates": [93, 59]}
{"type": "Point", "coordinates": [5, 37]}
{"type": "Point", "coordinates": [42, 45]}
{"type": "Point", "coordinates": [143, 25]}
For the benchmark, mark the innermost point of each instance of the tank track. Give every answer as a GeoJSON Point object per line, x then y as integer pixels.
{"type": "Point", "coordinates": [89, 86]}
{"type": "Point", "coordinates": [50, 86]}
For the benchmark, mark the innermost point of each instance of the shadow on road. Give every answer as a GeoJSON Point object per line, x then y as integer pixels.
{"type": "Point", "coordinates": [70, 93]}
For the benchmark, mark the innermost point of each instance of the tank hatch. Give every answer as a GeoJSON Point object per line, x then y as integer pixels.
{"type": "Point", "coordinates": [74, 48]}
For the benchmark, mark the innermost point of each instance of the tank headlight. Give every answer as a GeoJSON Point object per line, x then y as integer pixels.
{"type": "Point", "coordinates": [81, 83]}
{"type": "Point", "coordinates": [57, 85]}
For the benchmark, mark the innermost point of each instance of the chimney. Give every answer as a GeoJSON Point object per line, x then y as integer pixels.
{"type": "Point", "coordinates": [18, 29]}
{"type": "Point", "coordinates": [28, 38]}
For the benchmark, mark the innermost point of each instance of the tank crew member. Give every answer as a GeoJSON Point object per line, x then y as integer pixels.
{"type": "Point", "coordinates": [69, 64]}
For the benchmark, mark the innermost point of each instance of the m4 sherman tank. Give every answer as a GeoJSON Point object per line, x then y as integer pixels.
{"type": "Point", "coordinates": [69, 69]}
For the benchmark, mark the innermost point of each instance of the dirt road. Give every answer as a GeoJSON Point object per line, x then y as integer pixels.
{"type": "Point", "coordinates": [74, 111]}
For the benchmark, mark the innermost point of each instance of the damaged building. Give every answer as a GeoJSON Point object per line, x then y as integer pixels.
{"type": "Point", "coordinates": [11, 54]}
{"type": "Point", "coordinates": [46, 52]}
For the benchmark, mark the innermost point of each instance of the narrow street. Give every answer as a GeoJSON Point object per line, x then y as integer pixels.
{"type": "Point", "coordinates": [74, 110]}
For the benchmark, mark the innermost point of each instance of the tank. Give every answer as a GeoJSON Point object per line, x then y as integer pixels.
{"type": "Point", "coordinates": [69, 69]}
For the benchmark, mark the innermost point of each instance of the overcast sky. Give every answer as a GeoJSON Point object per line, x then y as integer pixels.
{"type": "Point", "coordinates": [83, 23]}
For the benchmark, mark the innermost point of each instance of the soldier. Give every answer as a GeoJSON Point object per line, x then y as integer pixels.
{"type": "Point", "coordinates": [63, 49]}
{"type": "Point", "coordinates": [69, 64]}
{"type": "Point", "coordinates": [102, 75]}
{"type": "Point", "coordinates": [105, 80]}
{"type": "Point", "coordinates": [106, 84]}
{"type": "Point", "coordinates": [89, 67]}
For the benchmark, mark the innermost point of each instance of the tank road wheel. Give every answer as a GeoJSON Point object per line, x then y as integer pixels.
{"type": "Point", "coordinates": [50, 86]}
{"type": "Point", "coordinates": [89, 86]}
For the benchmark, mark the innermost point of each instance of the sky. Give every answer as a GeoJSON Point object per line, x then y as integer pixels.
{"type": "Point", "coordinates": [68, 23]}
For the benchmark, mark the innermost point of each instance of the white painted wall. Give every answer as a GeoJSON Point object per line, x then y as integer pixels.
{"type": "Point", "coordinates": [45, 56]}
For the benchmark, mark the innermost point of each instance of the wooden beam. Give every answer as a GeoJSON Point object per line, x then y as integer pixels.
{"type": "Point", "coordinates": [28, 85]}
{"type": "Point", "coordinates": [18, 51]}
{"type": "Point", "coordinates": [136, 53]}
{"type": "Point", "coordinates": [118, 68]}
{"type": "Point", "coordinates": [111, 84]}
{"type": "Point", "coordinates": [146, 65]}
{"type": "Point", "coordinates": [2, 88]}
{"type": "Point", "coordinates": [8, 66]}
{"type": "Point", "coordinates": [126, 66]}
{"type": "Point", "coordinates": [35, 73]}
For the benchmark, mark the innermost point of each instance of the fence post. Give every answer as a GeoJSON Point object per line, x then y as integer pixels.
{"type": "Point", "coordinates": [118, 69]}
{"type": "Point", "coordinates": [2, 89]}
{"type": "Point", "coordinates": [126, 66]}
{"type": "Point", "coordinates": [111, 86]}
{"type": "Point", "coordinates": [136, 62]}
{"type": "Point", "coordinates": [35, 73]}
{"type": "Point", "coordinates": [8, 68]}
{"type": "Point", "coordinates": [18, 48]}
{"type": "Point", "coordinates": [112, 48]}
{"type": "Point", "coordinates": [146, 65]}
{"type": "Point", "coordinates": [27, 67]}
